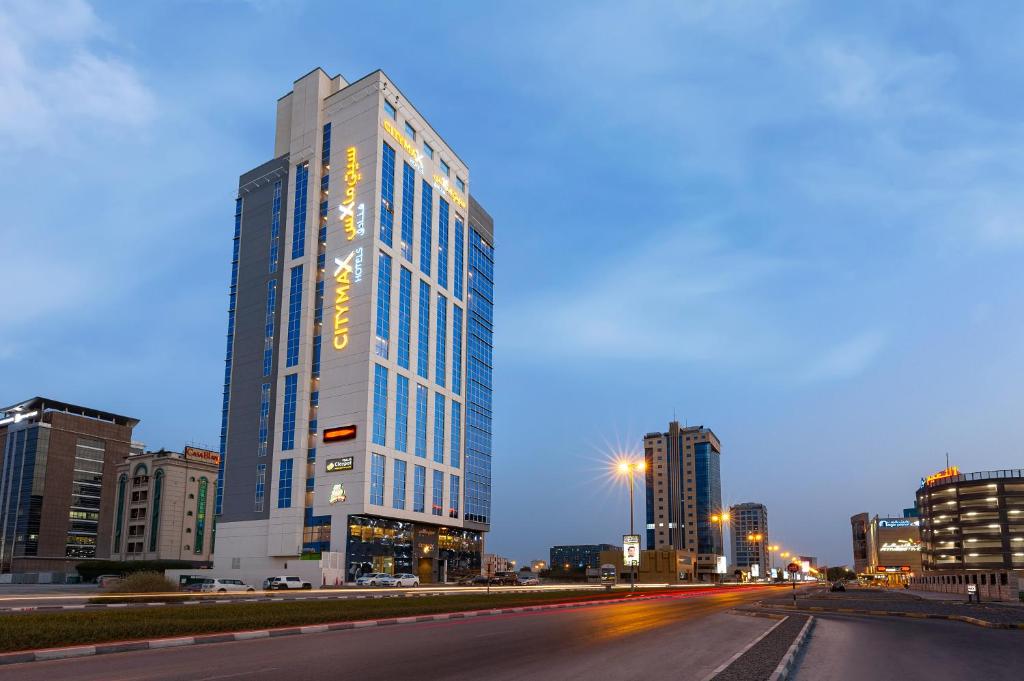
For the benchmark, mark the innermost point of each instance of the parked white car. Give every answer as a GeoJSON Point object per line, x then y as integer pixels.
{"type": "Point", "coordinates": [218, 585]}
{"type": "Point", "coordinates": [405, 579]}
{"type": "Point", "coordinates": [527, 580]}
{"type": "Point", "coordinates": [375, 579]}
{"type": "Point", "coordinates": [274, 583]}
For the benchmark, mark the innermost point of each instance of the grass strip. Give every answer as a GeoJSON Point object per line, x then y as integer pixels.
{"type": "Point", "coordinates": [30, 631]}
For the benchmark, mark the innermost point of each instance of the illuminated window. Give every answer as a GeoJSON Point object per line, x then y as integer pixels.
{"type": "Point", "coordinates": [387, 194]}
{"type": "Point", "coordinates": [284, 484]}
{"type": "Point", "coordinates": [453, 496]}
{"type": "Point", "coordinates": [408, 201]}
{"type": "Point", "coordinates": [423, 336]}
{"type": "Point", "coordinates": [439, 428]}
{"type": "Point", "coordinates": [377, 479]}
{"type": "Point", "coordinates": [426, 227]}
{"type": "Point", "coordinates": [428, 150]}
{"type": "Point", "coordinates": [404, 316]}
{"type": "Point", "coordinates": [419, 491]}
{"type": "Point", "coordinates": [268, 327]}
{"type": "Point", "coordinates": [457, 258]}
{"type": "Point", "coordinates": [441, 348]}
{"type": "Point", "coordinates": [401, 413]}
{"type": "Point", "coordinates": [264, 419]}
{"type": "Point", "coordinates": [456, 439]}
{"type": "Point", "coordinates": [445, 168]}
{"type": "Point", "coordinates": [380, 403]}
{"type": "Point", "coordinates": [421, 421]}
{"type": "Point", "coordinates": [288, 420]}
{"type": "Point", "coordinates": [398, 494]}
{"type": "Point", "coordinates": [294, 316]}
{"type": "Point", "coordinates": [456, 349]}
{"type": "Point", "coordinates": [389, 109]}
{"type": "Point", "coordinates": [442, 244]}
{"type": "Point", "coordinates": [383, 304]}
{"type": "Point", "coordinates": [410, 131]}
{"type": "Point", "coordinates": [460, 184]}
{"type": "Point", "coordinates": [437, 507]}
{"type": "Point", "coordinates": [275, 227]}
{"type": "Point", "coordinates": [299, 211]}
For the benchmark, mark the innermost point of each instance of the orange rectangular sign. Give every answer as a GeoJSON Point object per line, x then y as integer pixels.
{"type": "Point", "coordinates": [340, 434]}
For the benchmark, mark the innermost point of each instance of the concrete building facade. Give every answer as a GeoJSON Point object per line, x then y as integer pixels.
{"type": "Point", "coordinates": [577, 556]}
{"type": "Point", "coordinates": [749, 525]}
{"type": "Point", "coordinates": [164, 506]}
{"type": "Point", "coordinates": [57, 482]}
{"type": "Point", "coordinates": [683, 491]}
{"type": "Point", "coordinates": [356, 429]}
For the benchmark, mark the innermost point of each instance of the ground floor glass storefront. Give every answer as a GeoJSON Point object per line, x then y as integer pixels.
{"type": "Point", "coordinates": [434, 553]}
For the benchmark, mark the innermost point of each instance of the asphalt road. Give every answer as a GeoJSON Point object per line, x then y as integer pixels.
{"type": "Point", "coordinates": [682, 637]}
{"type": "Point", "coordinates": [851, 648]}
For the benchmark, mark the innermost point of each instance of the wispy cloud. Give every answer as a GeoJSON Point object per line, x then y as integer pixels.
{"type": "Point", "coordinates": [846, 359]}
{"type": "Point", "coordinates": [55, 78]}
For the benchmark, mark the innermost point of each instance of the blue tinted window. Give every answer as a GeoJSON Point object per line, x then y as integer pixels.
{"type": "Point", "coordinates": [288, 420]}
{"type": "Point", "coordinates": [387, 194]}
{"type": "Point", "coordinates": [410, 131]}
{"type": "Point", "coordinates": [440, 370]}
{"type": "Point", "coordinates": [383, 304]}
{"type": "Point", "coordinates": [404, 316]}
{"type": "Point", "coordinates": [408, 201]}
{"type": "Point", "coordinates": [457, 258]}
{"type": "Point", "coordinates": [445, 168]}
{"type": "Point", "coordinates": [457, 349]}
{"type": "Point", "coordinates": [268, 327]}
{"type": "Point", "coordinates": [316, 356]}
{"type": "Point", "coordinates": [478, 412]}
{"type": "Point", "coordinates": [380, 403]}
{"type": "Point", "coordinates": [261, 484]}
{"type": "Point", "coordinates": [456, 447]}
{"type": "Point", "coordinates": [226, 395]}
{"type": "Point", "coordinates": [284, 484]}
{"type": "Point", "coordinates": [437, 507]}
{"type": "Point", "coordinates": [401, 413]}
{"type": "Point", "coordinates": [439, 428]}
{"type": "Point", "coordinates": [299, 211]}
{"type": "Point", "coordinates": [275, 227]}
{"type": "Point", "coordinates": [419, 492]}
{"type": "Point", "coordinates": [426, 227]}
{"type": "Point", "coordinates": [294, 316]}
{"type": "Point", "coordinates": [421, 421]}
{"type": "Point", "coordinates": [423, 336]}
{"type": "Point", "coordinates": [428, 150]}
{"type": "Point", "coordinates": [442, 243]}
{"type": "Point", "coordinates": [377, 479]}
{"type": "Point", "coordinates": [398, 497]}
{"type": "Point", "coordinates": [453, 496]}
{"type": "Point", "coordinates": [389, 109]}
{"type": "Point", "coordinates": [460, 184]}
{"type": "Point", "coordinates": [264, 419]}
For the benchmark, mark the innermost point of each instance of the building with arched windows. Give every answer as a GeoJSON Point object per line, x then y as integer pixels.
{"type": "Point", "coordinates": [163, 506]}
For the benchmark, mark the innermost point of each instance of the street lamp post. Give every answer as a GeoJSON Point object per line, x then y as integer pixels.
{"type": "Point", "coordinates": [721, 518]}
{"type": "Point", "coordinates": [629, 468]}
{"type": "Point", "coordinates": [774, 548]}
{"type": "Point", "coordinates": [758, 537]}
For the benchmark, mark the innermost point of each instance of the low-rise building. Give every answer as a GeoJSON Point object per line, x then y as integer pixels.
{"type": "Point", "coordinates": [657, 566]}
{"type": "Point", "coordinates": [578, 556]}
{"type": "Point", "coordinates": [163, 506]}
{"type": "Point", "coordinates": [493, 564]}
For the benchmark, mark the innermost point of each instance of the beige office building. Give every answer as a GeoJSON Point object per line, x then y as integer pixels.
{"type": "Point", "coordinates": [164, 506]}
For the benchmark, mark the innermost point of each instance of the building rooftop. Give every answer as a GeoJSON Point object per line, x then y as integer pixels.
{"type": "Point", "coordinates": [19, 411]}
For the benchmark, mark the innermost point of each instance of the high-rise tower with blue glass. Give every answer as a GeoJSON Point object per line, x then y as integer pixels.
{"type": "Point", "coordinates": [356, 429]}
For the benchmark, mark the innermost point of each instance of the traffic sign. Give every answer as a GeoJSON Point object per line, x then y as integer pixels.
{"type": "Point", "coordinates": [793, 567]}
{"type": "Point", "coordinates": [972, 589]}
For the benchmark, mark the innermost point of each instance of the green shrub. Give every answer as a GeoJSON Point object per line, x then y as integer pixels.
{"type": "Point", "coordinates": [143, 582]}
{"type": "Point", "coordinates": [90, 570]}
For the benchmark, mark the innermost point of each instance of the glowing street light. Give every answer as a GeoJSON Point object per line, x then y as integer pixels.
{"type": "Point", "coordinates": [630, 468]}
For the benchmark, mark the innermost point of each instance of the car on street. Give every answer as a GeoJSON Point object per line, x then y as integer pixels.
{"type": "Point", "coordinates": [527, 579]}
{"type": "Point", "coordinates": [218, 585]}
{"type": "Point", "coordinates": [474, 580]}
{"type": "Point", "coordinates": [837, 586]}
{"type": "Point", "coordinates": [105, 581]}
{"type": "Point", "coordinates": [285, 582]}
{"type": "Point", "coordinates": [507, 578]}
{"type": "Point", "coordinates": [375, 579]}
{"type": "Point", "coordinates": [406, 579]}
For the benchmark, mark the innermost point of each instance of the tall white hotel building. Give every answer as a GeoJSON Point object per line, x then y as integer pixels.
{"type": "Point", "coordinates": [356, 430]}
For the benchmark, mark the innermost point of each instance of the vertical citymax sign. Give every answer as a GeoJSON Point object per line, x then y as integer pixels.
{"type": "Point", "coordinates": [348, 270]}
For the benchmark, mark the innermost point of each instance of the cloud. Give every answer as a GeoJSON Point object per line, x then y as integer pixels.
{"type": "Point", "coordinates": [54, 79]}
{"type": "Point", "coordinates": [846, 359]}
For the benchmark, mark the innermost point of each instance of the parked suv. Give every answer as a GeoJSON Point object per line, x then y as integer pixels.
{"type": "Point", "coordinates": [509, 578]}
{"type": "Point", "coordinates": [272, 583]}
{"type": "Point", "coordinates": [218, 585]}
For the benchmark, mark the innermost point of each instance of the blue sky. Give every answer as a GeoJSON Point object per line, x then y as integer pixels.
{"type": "Point", "coordinates": [799, 226]}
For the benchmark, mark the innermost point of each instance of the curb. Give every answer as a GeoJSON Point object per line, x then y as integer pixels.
{"type": "Point", "coordinates": [786, 665]}
{"type": "Point", "coordinates": [224, 637]}
{"type": "Point", "coordinates": [913, 615]}
{"type": "Point", "coordinates": [725, 665]}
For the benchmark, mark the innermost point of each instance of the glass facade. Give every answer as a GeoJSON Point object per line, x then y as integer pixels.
{"type": "Point", "coordinates": [457, 349]}
{"type": "Point", "coordinates": [439, 428]}
{"type": "Point", "coordinates": [291, 383]}
{"type": "Point", "coordinates": [437, 490]}
{"type": "Point", "coordinates": [299, 211]}
{"type": "Point", "coordinates": [479, 379]}
{"type": "Point", "coordinates": [261, 483]}
{"type": "Point", "coordinates": [423, 336]}
{"type": "Point", "coordinates": [707, 463]}
{"type": "Point", "coordinates": [232, 300]}
{"type": "Point", "coordinates": [408, 201]}
{"type": "Point", "coordinates": [264, 432]}
{"type": "Point", "coordinates": [200, 534]}
{"type": "Point", "coordinates": [456, 440]}
{"type": "Point", "coordinates": [383, 304]}
{"type": "Point", "coordinates": [404, 316]}
{"type": "Point", "coordinates": [398, 485]}
{"type": "Point", "coordinates": [453, 496]}
{"type": "Point", "coordinates": [377, 479]}
{"type": "Point", "coordinates": [275, 228]}
{"type": "Point", "coordinates": [85, 496]}
{"type": "Point", "coordinates": [294, 316]}
{"type": "Point", "coordinates": [432, 552]}
{"type": "Point", "coordinates": [426, 227]}
{"type": "Point", "coordinates": [458, 258]}
{"type": "Point", "coordinates": [268, 327]}
{"type": "Point", "coordinates": [419, 489]}
{"type": "Point", "coordinates": [158, 492]}
{"type": "Point", "coordinates": [421, 421]}
{"type": "Point", "coordinates": [387, 194]}
{"type": "Point", "coordinates": [442, 243]}
{"type": "Point", "coordinates": [284, 484]}
{"type": "Point", "coordinates": [401, 413]}
{"type": "Point", "coordinates": [380, 404]}
{"type": "Point", "coordinates": [440, 368]}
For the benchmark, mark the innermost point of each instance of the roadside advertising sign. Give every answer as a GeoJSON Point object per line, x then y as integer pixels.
{"type": "Point", "coordinates": [630, 550]}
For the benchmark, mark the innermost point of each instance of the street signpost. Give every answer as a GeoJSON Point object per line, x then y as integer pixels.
{"type": "Point", "coordinates": [793, 568]}
{"type": "Point", "coordinates": [972, 592]}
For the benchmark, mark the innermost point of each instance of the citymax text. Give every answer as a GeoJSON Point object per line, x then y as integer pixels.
{"type": "Point", "coordinates": [347, 271]}
{"type": "Point", "coordinates": [414, 153]}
